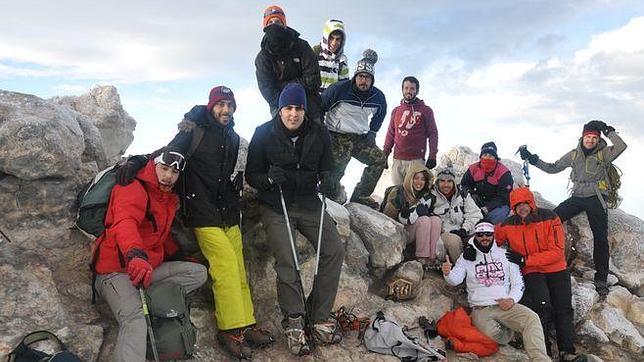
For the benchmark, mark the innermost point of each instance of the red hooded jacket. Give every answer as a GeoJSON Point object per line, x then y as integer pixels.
{"type": "Point", "coordinates": [539, 237]}
{"type": "Point", "coordinates": [457, 327]}
{"type": "Point", "coordinates": [410, 126]}
{"type": "Point", "coordinates": [127, 226]}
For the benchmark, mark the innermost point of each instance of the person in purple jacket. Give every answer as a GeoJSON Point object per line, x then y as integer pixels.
{"type": "Point", "coordinates": [411, 127]}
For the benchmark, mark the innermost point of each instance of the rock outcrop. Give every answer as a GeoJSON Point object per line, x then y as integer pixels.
{"type": "Point", "coordinates": [50, 148]}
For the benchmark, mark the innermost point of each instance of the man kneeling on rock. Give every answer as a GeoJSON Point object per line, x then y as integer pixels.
{"type": "Point", "coordinates": [494, 288]}
{"type": "Point", "coordinates": [286, 157]}
{"type": "Point", "coordinates": [133, 251]}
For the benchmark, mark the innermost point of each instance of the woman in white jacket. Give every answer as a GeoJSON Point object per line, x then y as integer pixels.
{"type": "Point", "coordinates": [457, 210]}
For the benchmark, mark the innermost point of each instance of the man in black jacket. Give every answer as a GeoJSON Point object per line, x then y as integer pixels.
{"type": "Point", "coordinates": [209, 202]}
{"type": "Point", "coordinates": [285, 58]}
{"type": "Point", "coordinates": [289, 154]}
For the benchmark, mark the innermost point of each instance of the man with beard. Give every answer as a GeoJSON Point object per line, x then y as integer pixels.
{"type": "Point", "coordinates": [494, 288]}
{"type": "Point", "coordinates": [589, 162]}
{"type": "Point", "coordinates": [355, 111]}
{"type": "Point", "coordinates": [411, 127]}
{"type": "Point", "coordinates": [285, 58]}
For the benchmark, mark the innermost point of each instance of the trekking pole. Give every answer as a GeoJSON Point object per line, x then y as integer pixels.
{"type": "Point", "coordinates": [4, 236]}
{"type": "Point", "coordinates": [317, 257]}
{"type": "Point", "coordinates": [146, 313]}
{"type": "Point", "coordinates": [240, 174]}
{"type": "Point", "coordinates": [290, 233]}
{"type": "Point", "coordinates": [526, 166]}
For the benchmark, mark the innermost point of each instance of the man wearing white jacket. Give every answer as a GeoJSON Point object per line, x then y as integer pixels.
{"type": "Point", "coordinates": [457, 210]}
{"type": "Point", "coordinates": [494, 288]}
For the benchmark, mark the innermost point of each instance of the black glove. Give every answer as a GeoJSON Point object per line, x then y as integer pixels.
{"type": "Point", "coordinates": [405, 211]}
{"type": "Point", "coordinates": [370, 137]}
{"type": "Point", "coordinates": [238, 181]}
{"type": "Point", "coordinates": [422, 210]}
{"type": "Point", "coordinates": [526, 155]}
{"type": "Point", "coordinates": [608, 130]}
{"type": "Point", "coordinates": [326, 187]}
{"type": "Point", "coordinates": [462, 233]}
{"type": "Point", "coordinates": [276, 175]}
{"type": "Point", "coordinates": [431, 163]}
{"type": "Point", "coordinates": [598, 125]}
{"type": "Point", "coordinates": [126, 173]}
{"type": "Point", "coordinates": [469, 253]}
{"type": "Point", "coordinates": [515, 258]}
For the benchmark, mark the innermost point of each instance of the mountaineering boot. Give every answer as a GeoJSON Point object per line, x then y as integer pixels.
{"type": "Point", "coordinates": [257, 337]}
{"type": "Point", "coordinates": [601, 286]}
{"type": "Point", "coordinates": [234, 343]}
{"type": "Point", "coordinates": [365, 200]}
{"type": "Point", "coordinates": [295, 336]}
{"type": "Point", "coordinates": [327, 332]}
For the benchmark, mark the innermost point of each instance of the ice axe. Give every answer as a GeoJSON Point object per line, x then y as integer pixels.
{"type": "Point", "coordinates": [526, 165]}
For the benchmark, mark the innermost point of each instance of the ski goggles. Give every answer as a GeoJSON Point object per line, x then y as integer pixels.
{"type": "Point", "coordinates": [171, 159]}
{"type": "Point", "coordinates": [273, 11]}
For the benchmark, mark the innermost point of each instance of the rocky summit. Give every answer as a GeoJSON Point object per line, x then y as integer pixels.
{"type": "Point", "coordinates": [50, 148]}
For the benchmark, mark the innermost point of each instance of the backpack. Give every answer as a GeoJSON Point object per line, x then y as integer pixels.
{"type": "Point", "coordinates": [24, 353]}
{"type": "Point", "coordinates": [174, 333]}
{"type": "Point", "coordinates": [610, 184]}
{"type": "Point", "coordinates": [388, 191]}
{"type": "Point", "coordinates": [385, 336]}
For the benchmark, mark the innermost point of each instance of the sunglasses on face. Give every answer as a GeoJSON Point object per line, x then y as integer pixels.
{"type": "Point", "coordinates": [484, 234]}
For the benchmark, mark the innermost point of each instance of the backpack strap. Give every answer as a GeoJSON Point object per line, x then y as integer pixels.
{"type": "Point", "coordinates": [195, 140]}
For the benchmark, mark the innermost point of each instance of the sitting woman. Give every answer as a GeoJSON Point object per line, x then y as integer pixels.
{"type": "Point", "coordinates": [413, 205]}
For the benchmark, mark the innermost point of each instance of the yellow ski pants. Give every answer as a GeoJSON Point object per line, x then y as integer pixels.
{"type": "Point", "coordinates": [223, 249]}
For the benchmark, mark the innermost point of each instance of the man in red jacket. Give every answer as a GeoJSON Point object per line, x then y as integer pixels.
{"type": "Point", "coordinates": [133, 250]}
{"type": "Point", "coordinates": [536, 239]}
{"type": "Point", "coordinates": [412, 124]}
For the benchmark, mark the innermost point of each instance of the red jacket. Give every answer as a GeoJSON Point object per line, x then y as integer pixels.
{"type": "Point", "coordinates": [128, 226]}
{"type": "Point", "coordinates": [410, 126]}
{"type": "Point", "coordinates": [539, 237]}
{"type": "Point", "coordinates": [456, 326]}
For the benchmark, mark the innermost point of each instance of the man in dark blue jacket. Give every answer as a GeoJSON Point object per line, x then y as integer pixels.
{"type": "Point", "coordinates": [355, 111]}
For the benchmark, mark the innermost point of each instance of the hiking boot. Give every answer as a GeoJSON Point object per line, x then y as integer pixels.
{"type": "Point", "coordinates": [327, 332]}
{"type": "Point", "coordinates": [257, 337]}
{"type": "Point", "coordinates": [295, 336]}
{"type": "Point", "coordinates": [366, 200]}
{"type": "Point", "coordinates": [601, 286]}
{"type": "Point", "coordinates": [234, 343]}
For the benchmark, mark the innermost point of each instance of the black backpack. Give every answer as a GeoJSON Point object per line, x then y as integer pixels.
{"type": "Point", "coordinates": [24, 353]}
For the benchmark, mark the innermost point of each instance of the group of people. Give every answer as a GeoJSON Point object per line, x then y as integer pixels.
{"type": "Point", "coordinates": [320, 118]}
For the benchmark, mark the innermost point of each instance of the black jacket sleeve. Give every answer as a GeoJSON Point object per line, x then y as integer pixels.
{"type": "Point", "coordinates": [326, 162]}
{"type": "Point", "coordinates": [310, 69]}
{"type": "Point", "coordinates": [257, 163]}
{"type": "Point", "coordinates": [266, 80]}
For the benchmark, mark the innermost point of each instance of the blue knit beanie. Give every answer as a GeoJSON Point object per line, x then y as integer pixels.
{"type": "Point", "coordinates": [293, 94]}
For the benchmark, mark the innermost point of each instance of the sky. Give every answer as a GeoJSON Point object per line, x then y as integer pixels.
{"type": "Point", "coordinates": [515, 72]}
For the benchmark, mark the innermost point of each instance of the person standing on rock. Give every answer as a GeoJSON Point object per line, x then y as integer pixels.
{"type": "Point", "coordinates": [136, 248]}
{"type": "Point", "coordinates": [413, 205]}
{"type": "Point", "coordinates": [287, 157]}
{"type": "Point", "coordinates": [457, 211]}
{"type": "Point", "coordinates": [330, 53]}
{"type": "Point", "coordinates": [355, 111]}
{"type": "Point", "coordinates": [210, 207]}
{"type": "Point", "coordinates": [489, 182]}
{"type": "Point", "coordinates": [412, 131]}
{"type": "Point", "coordinates": [589, 162]}
{"type": "Point", "coordinates": [285, 57]}
{"type": "Point", "coordinates": [494, 289]}
{"type": "Point", "coordinates": [535, 239]}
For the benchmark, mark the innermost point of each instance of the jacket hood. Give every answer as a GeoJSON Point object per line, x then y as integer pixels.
{"type": "Point", "coordinates": [520, 195]}
{"type": "Point", "coordinates": [410, 195]}
{"type": "Point", "coordinates": [329, 27]}
{"type": "Point", "coordinates": [417, 102]}
{"type": "Point", "coordinates": [278, 39]}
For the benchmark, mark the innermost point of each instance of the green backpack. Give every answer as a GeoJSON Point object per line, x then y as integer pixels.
{"type": "Point", "coordinates": [174, 333]}
{"type": "Point", "coordinates": [611, 183]}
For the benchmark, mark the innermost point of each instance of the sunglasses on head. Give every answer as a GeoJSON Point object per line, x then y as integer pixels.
{"type": "Point", "coordinates": [487, 233]}
{"type": "Point", "coordinates": [273, 12]}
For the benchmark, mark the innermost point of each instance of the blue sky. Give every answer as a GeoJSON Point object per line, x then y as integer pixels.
{"type": "Point", "coordinates": [517, 72]}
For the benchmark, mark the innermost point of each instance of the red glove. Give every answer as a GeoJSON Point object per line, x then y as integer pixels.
{"type": "Point", "coordinates": [140, 271]}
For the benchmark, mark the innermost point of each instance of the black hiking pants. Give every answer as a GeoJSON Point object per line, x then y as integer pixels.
{"type": "Point", "coordinates": [550, 296]}
{"type": "Point", "coordinates": [598, 220]}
